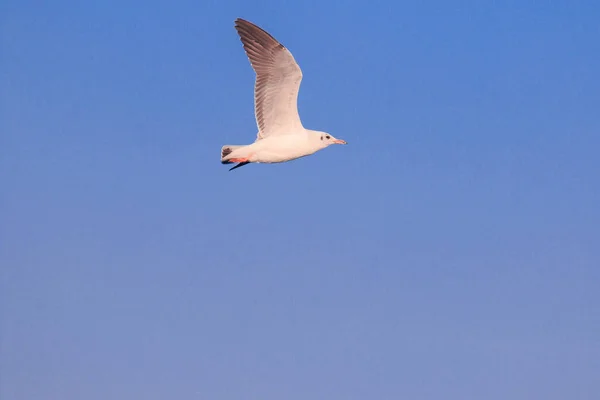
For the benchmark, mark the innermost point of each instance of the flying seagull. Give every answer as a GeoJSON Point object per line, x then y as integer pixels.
{"type": "Point", "coordinates": [281, 136]}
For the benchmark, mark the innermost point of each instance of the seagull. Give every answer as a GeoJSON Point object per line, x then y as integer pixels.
{"type": "Point", "coordinates": [281, 136]}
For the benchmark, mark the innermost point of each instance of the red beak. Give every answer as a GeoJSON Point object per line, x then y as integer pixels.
{"type": "Point", "coordinates": [339, 141]}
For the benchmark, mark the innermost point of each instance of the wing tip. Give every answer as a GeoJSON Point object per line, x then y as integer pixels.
{"type": "Point", "coordinates": [246, 29]}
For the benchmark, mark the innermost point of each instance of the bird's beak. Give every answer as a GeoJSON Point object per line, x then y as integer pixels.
{"type": "Point", "coordinates": [339, 141]}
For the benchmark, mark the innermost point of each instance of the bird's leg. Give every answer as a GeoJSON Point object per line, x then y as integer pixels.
{"type": "Point", "coordinates": [241, 161]}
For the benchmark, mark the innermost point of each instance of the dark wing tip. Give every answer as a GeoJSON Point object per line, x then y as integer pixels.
{"type": "Point", "coordinates": [239, 165]}
{"type": "Point", "coordinates": [247, 29]}
{"type": "Point", "coordinates": [225, 152]}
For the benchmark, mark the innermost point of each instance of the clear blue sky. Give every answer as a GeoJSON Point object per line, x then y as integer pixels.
{"type": "Point", "coordinates": [450, 251]}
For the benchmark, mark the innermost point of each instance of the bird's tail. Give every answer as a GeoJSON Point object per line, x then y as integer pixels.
{"type": "Point", "coordinates": [226, 151]}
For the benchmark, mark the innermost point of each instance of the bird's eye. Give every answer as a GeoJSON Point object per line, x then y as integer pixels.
{"type": "Point", "coordinates": [328, 137]}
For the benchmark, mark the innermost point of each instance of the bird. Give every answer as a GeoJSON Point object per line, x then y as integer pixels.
{"type": "Point", "coordinates": [281, 136]}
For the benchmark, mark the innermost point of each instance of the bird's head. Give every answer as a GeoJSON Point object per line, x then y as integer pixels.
{"type": "Point", "coordinates": [327, 139]}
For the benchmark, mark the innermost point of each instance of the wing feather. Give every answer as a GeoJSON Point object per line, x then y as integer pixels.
{"type": "Point", "coordinates": [278, 78]}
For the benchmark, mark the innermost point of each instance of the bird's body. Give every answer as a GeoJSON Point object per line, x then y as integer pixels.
{"type": "Point", "coordinates": [276, 149]}
{"type": "Point", "coordinates": [281, 136]}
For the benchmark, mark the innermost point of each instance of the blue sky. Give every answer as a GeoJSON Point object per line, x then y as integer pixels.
{"type": "Point", "coordinates": [451, 250]}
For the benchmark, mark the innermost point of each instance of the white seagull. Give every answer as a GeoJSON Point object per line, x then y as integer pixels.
{"type": "Point", "coordinates": [281, 136]}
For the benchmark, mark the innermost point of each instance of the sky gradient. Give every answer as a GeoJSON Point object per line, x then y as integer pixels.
{"type": "Point", "coordinates": [450, 251]}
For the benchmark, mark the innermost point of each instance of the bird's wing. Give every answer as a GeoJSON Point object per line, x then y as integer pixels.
{"type": "Point", "coordinates": [278, 78]}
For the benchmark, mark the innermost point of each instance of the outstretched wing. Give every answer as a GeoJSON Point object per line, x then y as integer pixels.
{"type": "Point", "coordinates": [278, 78]}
